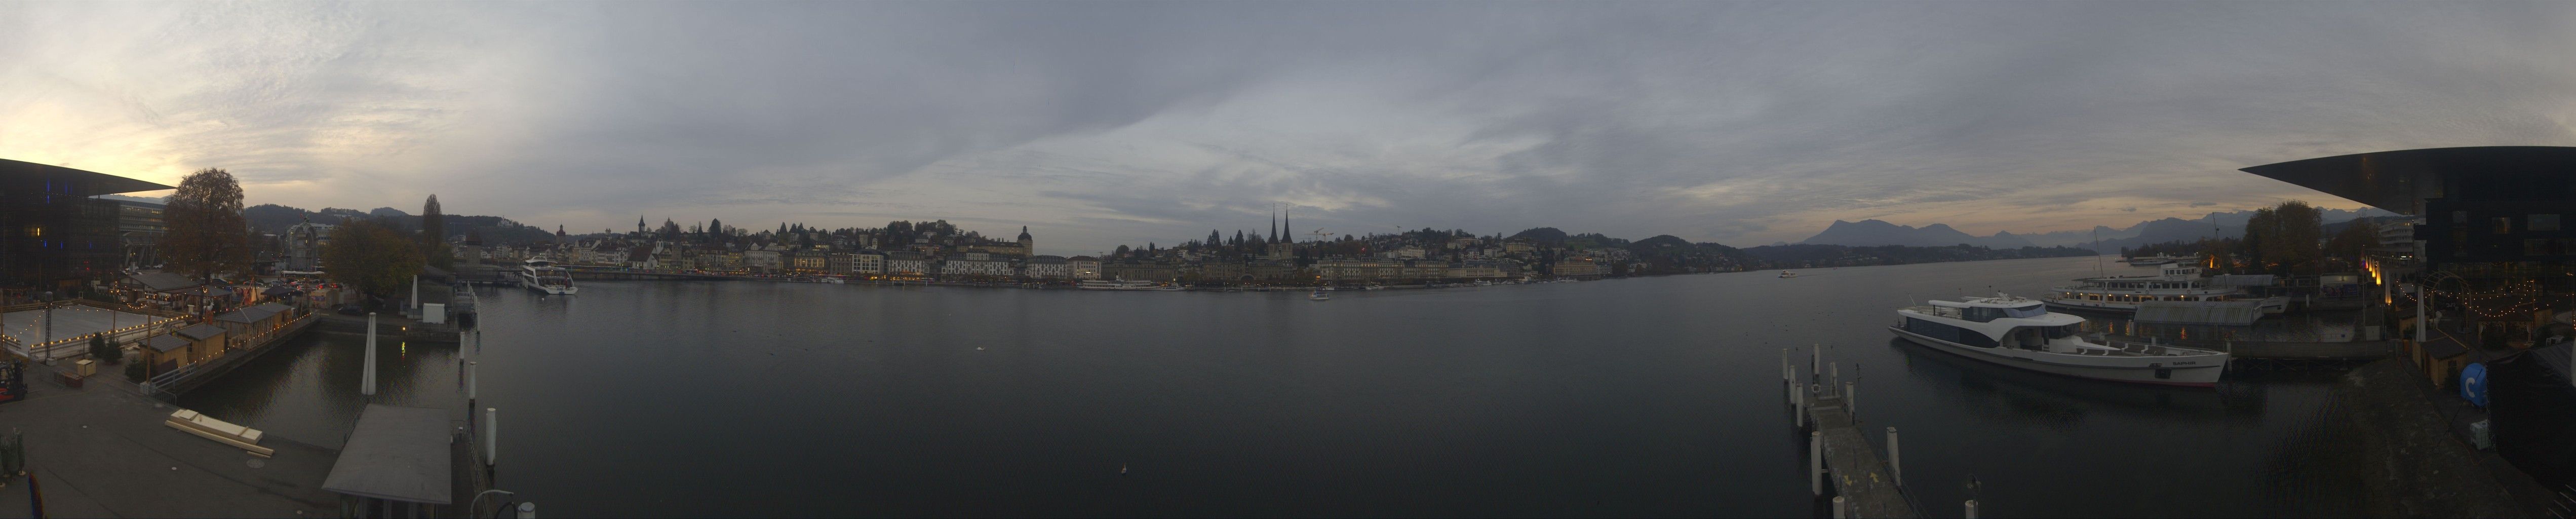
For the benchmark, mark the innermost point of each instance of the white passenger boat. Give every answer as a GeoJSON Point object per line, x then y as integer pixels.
{"type": "Point", "coordinates": [1115, 285]}
{"type": "Point", "coordinates": [2160, 259]}
{"type": "Point", "coordinates": [1318, 295]}
{"type": "Point", "coordinates": [2172, 282]}
{"type": "Point", "coordinates": [2022, 333]}
{"type": "Point", "coordinates": [543, 276]}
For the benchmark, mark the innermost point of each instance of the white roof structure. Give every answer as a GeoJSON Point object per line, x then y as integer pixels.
{"type": "Point", "coordinates": [396, 453]}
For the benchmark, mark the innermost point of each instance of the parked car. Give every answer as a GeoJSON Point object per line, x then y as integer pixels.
{"type": "Point", "coordinates": [352, 310]}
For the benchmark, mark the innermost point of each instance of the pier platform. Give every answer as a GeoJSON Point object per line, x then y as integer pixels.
{"type": "Point", "coordinates": [1853, 469]}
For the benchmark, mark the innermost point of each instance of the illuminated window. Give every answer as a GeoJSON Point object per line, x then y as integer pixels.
{"type": "Point", "coordinates": [35, 231]}
{"type": "Point", "coordinates": [2500, 225]}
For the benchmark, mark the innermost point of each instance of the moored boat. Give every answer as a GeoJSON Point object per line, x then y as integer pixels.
{"type": "Point", "coordinates": [543, 276]}
{"type": "Point", "coordinates": [2022, 333]}
{"type": "Point", "coordinates": [1115, 285]}
{"type": "Point", "coordinates": [2181, 282]}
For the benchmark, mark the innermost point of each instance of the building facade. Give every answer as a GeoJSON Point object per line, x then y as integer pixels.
{"type": "Point", "coordinates": [1049, 267]}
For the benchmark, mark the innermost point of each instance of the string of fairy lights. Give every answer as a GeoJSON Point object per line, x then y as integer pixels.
{"type": "Point", "coordinates": [2512, 299]}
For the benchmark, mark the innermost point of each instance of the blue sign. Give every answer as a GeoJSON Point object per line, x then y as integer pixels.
{"type": "Point", "coordinates": [2473, 384]}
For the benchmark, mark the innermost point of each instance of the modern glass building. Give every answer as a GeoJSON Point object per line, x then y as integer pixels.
{"type": "Point", "coordinates": [54, 233]}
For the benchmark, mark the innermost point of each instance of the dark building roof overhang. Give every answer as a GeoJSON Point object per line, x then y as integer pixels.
{"type": "Point", "coordinates": [2398, 180]}
{"type": "Point", "coordinates": [14, 174]}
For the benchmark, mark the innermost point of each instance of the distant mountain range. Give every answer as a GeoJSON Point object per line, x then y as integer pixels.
{"type": "Point", "coordinates": [1866, 233]}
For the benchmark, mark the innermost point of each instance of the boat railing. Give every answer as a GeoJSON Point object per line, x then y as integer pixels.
{"type": "Point", "coordinates": [2151, 348]}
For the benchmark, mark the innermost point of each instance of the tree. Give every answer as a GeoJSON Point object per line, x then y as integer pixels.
{"type": "Point", "coordinates": [371, 257]}
{"type": "Point", "coordinates": [2355, 240]}
{"type": "Point", "coordinates": [206, 234]}
{"type": "Point", "coordinates": [433, 235]}
{"type": "Point", "coordinates": [2285, 237]}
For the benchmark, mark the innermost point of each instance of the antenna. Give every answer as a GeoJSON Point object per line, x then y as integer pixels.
{"type": "Point", "coordinates": [2097, 252]}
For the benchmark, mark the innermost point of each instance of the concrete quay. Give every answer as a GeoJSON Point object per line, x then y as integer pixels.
{"type": "Point", "coordinates": [102, 451]}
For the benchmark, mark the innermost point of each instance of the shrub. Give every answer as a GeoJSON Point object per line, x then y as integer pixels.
{"type": "Point", "coordinates": [100, 351]}
{"type": "Point", "coordinates": [134, 372]}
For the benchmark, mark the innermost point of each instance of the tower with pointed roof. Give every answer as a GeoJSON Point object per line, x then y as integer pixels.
{"type": "Point", "coordinates": [1028, 247]}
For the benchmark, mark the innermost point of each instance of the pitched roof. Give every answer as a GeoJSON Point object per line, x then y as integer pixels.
{"type": "Point", "coordinates": [201, 332]}
{"type": "Point", "coordinates": [165, 343]}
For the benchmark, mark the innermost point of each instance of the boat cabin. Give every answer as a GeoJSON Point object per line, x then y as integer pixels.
{"type": "Point", "coordinates": [2029, 335]}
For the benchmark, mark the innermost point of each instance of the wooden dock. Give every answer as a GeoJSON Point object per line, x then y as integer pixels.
{"type": "Point", "coordinates": [1853, 469]}
{"type": "Point", "coordinates": [1845, 472]}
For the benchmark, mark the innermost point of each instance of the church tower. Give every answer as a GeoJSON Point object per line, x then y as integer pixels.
{"type": "Point", "coordinates": [1028, 247]}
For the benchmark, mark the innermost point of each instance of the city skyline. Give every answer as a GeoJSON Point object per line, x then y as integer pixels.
{"type": "Point", "coordinates": [1115, 124]}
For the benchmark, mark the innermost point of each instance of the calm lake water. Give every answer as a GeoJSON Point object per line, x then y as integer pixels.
{"type": "Point", "coordinates": [1656, 396]}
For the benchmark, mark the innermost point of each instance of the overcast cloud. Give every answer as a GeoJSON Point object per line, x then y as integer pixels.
{"type": "Point", "coordinates": [1103, 123]}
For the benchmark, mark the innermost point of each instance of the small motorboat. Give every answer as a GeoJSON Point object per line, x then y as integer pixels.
{"type": "Point", "coordinates": [1318, 295]}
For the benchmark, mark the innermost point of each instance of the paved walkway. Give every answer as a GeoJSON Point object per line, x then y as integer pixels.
{"type": "Point", "coordinates": [102, 451]}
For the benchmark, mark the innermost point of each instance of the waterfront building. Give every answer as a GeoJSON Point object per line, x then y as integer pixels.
{"type": "Point", "coordinates": [1049, 267]}
{"type": "Point", "coordinates": [971, 265]}
{"type": "Point", "coordinates": [53, 233]}
{"type": "Point", "coordinates": [838, 263]}
{"type": "Point", "coordinates": [810, 261]}
{"type": "Point", "coordinates": [1519, 246]}
{"type": "Point", "coordinates": [2492, 245]}
{"type": "Point", "coordinates": [1422, 270]}
{"type": "Point", "coordinates": [1131, 270]}
{"type": "Point", "coordinates": [1475, 270]}
{"type": "Point", "coordinates": [1225, 271]}
{"type": "Point", "coordinates": [1083, 267]}
{"type": "Point", "coordinates": [867, 262]}
{"type": "Point", "coordinates": [763, 260]}
{"type": "Point", "coordinates": [2492, 230]}
{"type": "Point", "coordinates": [248, 322]}
{"type": "Point", "coordinates": [907, 264]}
{"type": "Point", "coordinates": [1274, 270]}
{"type": "Point", "coordinates": [1578, 269]}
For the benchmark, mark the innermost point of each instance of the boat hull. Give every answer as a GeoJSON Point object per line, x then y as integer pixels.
{"type": "Point", "coordinates": [2191, 376]}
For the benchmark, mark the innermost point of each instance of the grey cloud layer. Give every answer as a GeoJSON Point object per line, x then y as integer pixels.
{"type": "Point", "coordinates": [1108, 123]}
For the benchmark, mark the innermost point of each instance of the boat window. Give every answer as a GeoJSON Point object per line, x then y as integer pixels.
{"type": "Point", "coordinates": [2027, 311]}
{"type": "Point", "coordinates": [1948, 333]}
{"type": "Point", "coordinates": [1981, 314]}
{"type": "Point", "coordinates": [2061, 332]}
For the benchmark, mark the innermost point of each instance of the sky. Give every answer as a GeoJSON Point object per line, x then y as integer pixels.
{"type": "Point", "coordinates": [1098, 123]}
